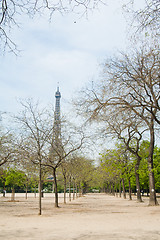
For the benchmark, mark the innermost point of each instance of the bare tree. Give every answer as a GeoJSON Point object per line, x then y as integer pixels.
{"type": "Point", "coordinates": [138, 80]}
{"type": "Point", "coordinates": [8, 148]}
{"type": "Point", "coordinates": [41, 143]}
{"type": "Point", "coordinates": [149, 16]}
{"type": "Point", "coordinates": [35, 129]}
{"type": "Point", "coordinates": [70, 140]}
{"type": "Point", "coordinates": [65, 173]}
{"type": "Point", "coordinates": [130, 82]}
{"type": "Point", "coordinates": [145, 20]}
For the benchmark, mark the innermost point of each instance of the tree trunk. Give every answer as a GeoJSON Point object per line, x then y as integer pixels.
{"type": "Point", "coordinates": [69, 188]}
{"type": "Point", "coordinates": [40, 189]}
{"type": "Point", "coordinates": [113, 190]}
{"type": "Point", "coordinates": [124, 191]}
{"type": "Point", "coordinates": [110, 188]}
{"type": "Point", "coordinates": [130, 191]}
{"type": "Point", "coordinates": [152, 192]}
{"type": "Point", "coordinates": [55, 188]}
{"type": "Point", "coordinates": [35, 191]}
{"type": "Point", "coordinates": [139, 198]}
{"type": "Point", "coordinates": [79, 190]}
{"type": "Point", "coordinates": [65, 187]}
{"type": "Point", "coordinates": [76, 191]}
{"type": "Point", "coordinates": [120, 190]}
{"type": "Point", "coordinates": [107, 188]}
{"type": "Point", "coordinates": [26, 191]}
{"type": "Point", "coordinates": [13, 194]}
{"type": "Point", "coordinates": [116, 191]}
{"type": "Point", "coordinates": [73, 190]}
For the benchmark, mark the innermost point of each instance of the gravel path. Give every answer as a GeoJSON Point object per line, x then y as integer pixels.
{"type": "Point", "coordinates": [92, 217]}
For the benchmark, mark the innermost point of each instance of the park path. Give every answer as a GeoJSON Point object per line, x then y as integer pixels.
{"type": "Point", "coordinates": [92, 217]}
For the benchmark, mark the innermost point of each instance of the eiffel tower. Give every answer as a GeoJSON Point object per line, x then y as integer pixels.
{"type": "Point", "coordinates": [56, 147]}
{"type": "Point", "coordinates": [57, 120]}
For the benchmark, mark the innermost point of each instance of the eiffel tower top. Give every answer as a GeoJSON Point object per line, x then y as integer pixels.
{"type": "Point", "coordinates": [58, 94]}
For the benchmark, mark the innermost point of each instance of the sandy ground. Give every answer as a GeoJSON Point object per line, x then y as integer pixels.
{"type": "Point", "coordinates": [92, 217]}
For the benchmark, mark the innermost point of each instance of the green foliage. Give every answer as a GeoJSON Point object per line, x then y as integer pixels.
{"type": "Point", "coordinates": [156, 167]}
{"type": "Point", "coordinates": [144, 149]}
{"type": "Point", "coordinates": [143, 170]}
{"type": "Point", "coordinates": [143, 174]}
{"type": "Point", "coordinates": [117, 164]}
{"type": "Point", "coordinates": [15, 178]}
{"type": "Point", "coordinates": [81, 170]}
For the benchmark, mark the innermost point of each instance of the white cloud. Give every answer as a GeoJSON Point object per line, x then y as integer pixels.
{"type": "Point", "coordinates": [68, 51]}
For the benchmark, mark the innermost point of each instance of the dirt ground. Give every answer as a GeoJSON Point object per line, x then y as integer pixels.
{"type": "Point", "coordinates": [92, 217]}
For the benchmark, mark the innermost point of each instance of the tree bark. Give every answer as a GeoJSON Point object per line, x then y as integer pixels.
{"type": "Point", "coordinates": [26, 191]}
{"type": "Point", "coordinates": [124, 191]}
{"type": "Point", "coordinates": [120, 190]}
{"type": "Point", "coordinates": [80, 192]}
{"type": "Point", "coordinates": [130, 191]}
{"type": "Point", "coordinates": [76, 191]}
{"type": "Point", "coordinates": [73, 190]}
{"type": "Point", "coordinates": [13, 194]}
{"type": "Point", "coordinates": [152, 192]}
{"type": "Point", "coordinates": [65, 187]}
{"type": "Point", "coordinates": [110, 188]}
{"type": "Point", "coordinates": [40, 189]}
{"type": "Point", "coordinates": [107, 188]}
{"type": "Point", "coordinates": [113, 190]}
{"type": "Point", "coordinates": [139, 198]}
{"type": "Point", "coordinates": [69, 188]}
{"type": "Point", "coordinates": [55, 188]}
{"type": "Point", "coordinates": [35, 191]}
{"type": "Point", "coordinates": [116, 191]}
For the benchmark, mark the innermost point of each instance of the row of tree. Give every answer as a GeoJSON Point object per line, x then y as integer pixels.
{"type": "Point", "coordinates": [125, 101]}
{"type": "Point", "coordinates": [35, 149]}
{"type": "Point", "coordinates": [75, 173]}
{"type": "Point", "coordinates": [118, 167]}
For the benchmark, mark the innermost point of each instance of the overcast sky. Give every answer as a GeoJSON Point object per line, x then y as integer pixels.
{"type": "Point", "coordinates": [68, 50]}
